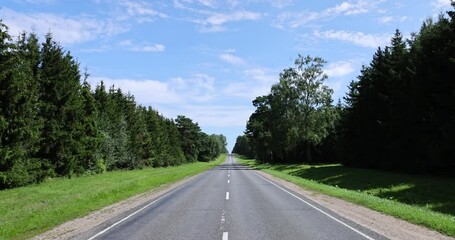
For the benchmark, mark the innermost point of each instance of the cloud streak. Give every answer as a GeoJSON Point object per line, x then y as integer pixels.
{"type": "Point", "coordinates": [356, 38]}
{"type": "Point", "coordinates": [198, 88]}
{"type": "Point", "coordinates": [232, 59]}
{"type": "Point", "coordinates": [306, 18]}
{"type": "Point", "coordinates": [339, 69]}
{"type": "Point", "coordinates": [213, 16]}
{"type": "Point", "coordinates": [67, 30]}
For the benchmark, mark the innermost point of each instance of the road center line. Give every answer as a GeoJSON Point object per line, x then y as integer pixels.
{"type": "Point", "coordinates": [318, 209]}
{"type": "Point", "coordinates": [225, 236]}
{"type": "Point", "coordinates": [227, 195]}
{"type": "Point", "coordinates": [228, 180]}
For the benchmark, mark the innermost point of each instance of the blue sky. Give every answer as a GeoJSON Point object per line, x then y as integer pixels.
{"type": "Point", "coordinates": [208, 59]}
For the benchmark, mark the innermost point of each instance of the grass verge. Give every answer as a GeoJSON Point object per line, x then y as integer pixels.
{"type": "Point", "coordinates": [28, 211]}
{"type": "Point", "coordinates": [423, 200]}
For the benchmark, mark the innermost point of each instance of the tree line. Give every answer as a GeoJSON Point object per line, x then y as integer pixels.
{"type": "Point", "coordinates": [399, 114]}
{"type": "Point", "coordinates": [53, 124]}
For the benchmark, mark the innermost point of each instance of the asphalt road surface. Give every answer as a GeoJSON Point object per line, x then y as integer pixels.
{"type": "Point", "coordinates": [231, 202]}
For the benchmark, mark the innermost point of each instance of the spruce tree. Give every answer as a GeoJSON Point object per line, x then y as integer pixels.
{"type": "Point", "coordinates": [62, 108]}
{"type": "Point", "coordinates": [19, 120]}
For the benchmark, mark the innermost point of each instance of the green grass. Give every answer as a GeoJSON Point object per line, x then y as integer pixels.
{"type": "Point", "coordinates": [420, 199]}
{"type": "Point", "coordinates": [28, 211]}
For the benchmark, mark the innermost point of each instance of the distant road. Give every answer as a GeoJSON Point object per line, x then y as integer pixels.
{"type": "Point", "coordinates": [232, 202]}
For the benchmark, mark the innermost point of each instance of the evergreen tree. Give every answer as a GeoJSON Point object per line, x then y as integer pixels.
{"type": "Point", "coordinates": [242, 147]}
{"type": "Point", "coordinates": [62, 108]}
{"type": "Point", "coordinates": [19, 121]}
{"type": "Point", "coordinates": [174, 143]}
{"type": "Point", "coordinates": [90, 157]}
{"type": "Point", "coordinates": [52, 124]}
{"type": "Point", "coordinates": [190, 137]}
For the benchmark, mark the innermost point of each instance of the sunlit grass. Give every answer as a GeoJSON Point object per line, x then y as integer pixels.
{"type": "Point", "coordinates": [30, 210]}
{"type": "Point", "coordinates": [424, 200]}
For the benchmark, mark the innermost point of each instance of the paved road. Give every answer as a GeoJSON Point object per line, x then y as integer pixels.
{"type": "Point", "coordinates": [231, 202]}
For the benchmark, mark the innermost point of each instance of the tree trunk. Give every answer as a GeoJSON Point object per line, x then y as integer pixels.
{"type": "Point", "coordinates": [308, 152]}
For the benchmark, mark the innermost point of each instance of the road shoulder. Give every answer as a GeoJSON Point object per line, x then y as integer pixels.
{"type": "Point", "coordinates": [385, 225]}
{"type": "Point", "coordinates": [74, 228]}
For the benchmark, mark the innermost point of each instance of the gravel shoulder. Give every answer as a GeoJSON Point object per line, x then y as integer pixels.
{"type": "Point", "coordinates": [385, 225]}
{"type": "Point", "coordinates": [73, 228]}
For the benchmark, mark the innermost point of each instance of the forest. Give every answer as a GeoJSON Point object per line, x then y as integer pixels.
{"type": "Point", "coordinates": [54, 124]}
{"type": "Point", "coordinates": [399, 114]}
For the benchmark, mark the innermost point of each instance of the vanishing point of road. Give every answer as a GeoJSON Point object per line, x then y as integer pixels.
{"type": "Point", "coordinates": [231, 202]}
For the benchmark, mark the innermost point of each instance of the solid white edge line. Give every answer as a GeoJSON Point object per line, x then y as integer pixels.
{"type": "Point", "coordinates": [227, 195]}
{"type": "Point", "coordinates": [225, 236]}
{"type": "Point", "coordinates": [134, 213]}
{"type": "Point", "coordinates": [318, 209]}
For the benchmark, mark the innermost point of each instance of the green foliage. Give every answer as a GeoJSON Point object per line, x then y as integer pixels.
{"type": "Point", "coordinates": [20, 123]}
{"type": "Point", "coordinates": [242, 147]}
{"type": "Point", "coordinates": [400, 113]}
{"type": "Point", "coordinates": [53, 125]}
{"type": "Point", "coordinates": [191, 137]}
{"type": "Point", "coordinates": [62, 108]}
{"type": "Point", "coordinates": [295, 117]}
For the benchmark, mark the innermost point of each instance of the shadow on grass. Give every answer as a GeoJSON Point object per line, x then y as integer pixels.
{"type": "Point", "coordinates": [437, 194]}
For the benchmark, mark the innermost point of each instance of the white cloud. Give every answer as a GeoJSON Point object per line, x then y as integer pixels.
{"type": "Point", "coordinates": [353, 8]}
{"type": "Point", "coordinates": [149, 48]}
{"type": "Point", "coordinates": [390, 19]}
{"type": "Point", "coordinates": [140, 10]}
{"type": "Point", "coordinates": [67, 30]}
{"type": "Point", "coordinates": [210, 20]}
{"type": "Point", "coordinates": [222, 18]}
{"type": "Point", "coordinates": [144, 47]}
{"type": "Point", "coordinates": [258, 82]}
{"type": "Point", "coordinates": [211, 115]}
{"type": "Point", "coordinates": [347, 8]}
{"type": "Point", "coordinates": [440, 4]}
{"type": "Point", "coordinates": [214, 22]}
{"type": "Point", "coordinates": [385, 19]}
{"type": "Point", "coordinates": [262, 75]}
{"type": "Point", "coordinates": [145, 91]}
{"type": "Point", "coordinates": [207, 3]}
{"type": "Point", "coordinates": [357, 38]}
{"type": "Point", "coordinates": [339, 69]}
{"type": "Point", "coordinates": [232, 59]}
{"type": "Point", "coordinates": [196, 89]}
{"type": "Point", "coordinates": [281, 3]}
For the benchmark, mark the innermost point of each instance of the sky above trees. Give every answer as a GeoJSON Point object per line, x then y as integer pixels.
{"type": "Point", "coordinates": [208, 59]}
